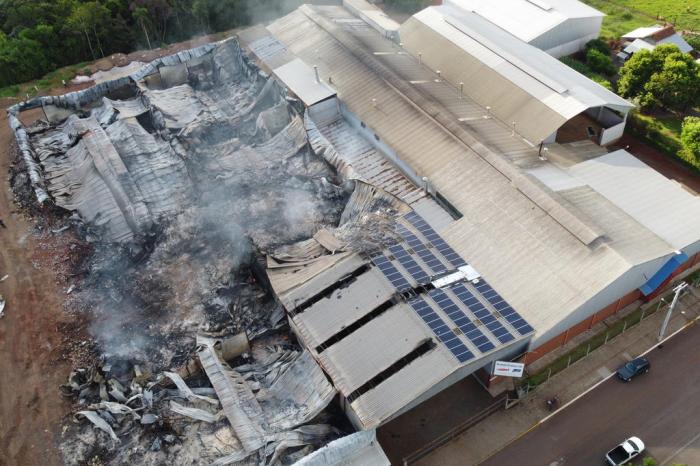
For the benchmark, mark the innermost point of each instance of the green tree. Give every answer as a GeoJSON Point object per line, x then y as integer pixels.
{"type": "Point", "coordinates": [690, 140]}
{"type": "Point", "coordinates": [600, 62]}
{"type": "Point", "coordinates": [90, 17]}
{"type": "Point", "coordinates": [663, 77]}
{"type": "Point", "coordinates": [140, 14]}
{"type": "Point", "coordinates": [599, 45]}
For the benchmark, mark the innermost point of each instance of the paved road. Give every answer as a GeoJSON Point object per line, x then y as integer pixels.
{"type": "Point", "coordinates": [662, 408]}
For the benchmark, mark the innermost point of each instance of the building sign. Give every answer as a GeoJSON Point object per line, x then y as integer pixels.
{"type": "Point", "coordinates": [508, 369]}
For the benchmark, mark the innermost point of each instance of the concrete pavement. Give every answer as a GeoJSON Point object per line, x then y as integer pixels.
{"type": "Point", "coordinates": [504, 427]}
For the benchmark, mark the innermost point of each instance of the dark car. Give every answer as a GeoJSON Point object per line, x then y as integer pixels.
{"type": "Point", "coordinates": [633, 368]}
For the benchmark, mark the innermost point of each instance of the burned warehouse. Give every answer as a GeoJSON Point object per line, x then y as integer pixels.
{"type": "Point", "coordinates": [296, 235]}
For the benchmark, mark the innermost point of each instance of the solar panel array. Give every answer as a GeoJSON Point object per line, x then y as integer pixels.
{"type": "Point", "coordinates": [423, 252]}
{"type": "Point", "coordinates": [462, 321]}
{"type": "Point", "coordinates": [481, 313]}
{"type": "Point", "coordinates": [487, 332]}
{"type": "Point", "coordinates": [431, 235]}
{"type": "Point", "coordinates": [443, 332]}
{"type": "Point", "coordinates": [503, 308]}
{"type": "Point", "coordinates": [391, 273]}
{"type": "Point", "coordinates": [411, 266]}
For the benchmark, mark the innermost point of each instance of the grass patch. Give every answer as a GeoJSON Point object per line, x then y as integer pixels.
{"type": "Point", "coordinates": [626, 15]}
{"type": "Point", "coordinates": [620, 19]}
{"type": "Point", "coordinates": [661, 132]}
{"type": "Point", "coordinates": [49, 81]}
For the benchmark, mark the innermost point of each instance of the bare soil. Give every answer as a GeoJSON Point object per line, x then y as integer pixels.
{"type": "Point", "coordinates": [31, 365]}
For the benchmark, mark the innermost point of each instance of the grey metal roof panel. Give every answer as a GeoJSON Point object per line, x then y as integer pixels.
{"type": "Point", "coordinates": [343, 307]}
{"type": "Point", "coordinates": [301, 79]}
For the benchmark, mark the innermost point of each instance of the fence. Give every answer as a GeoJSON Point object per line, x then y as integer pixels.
{"type": "Point", "coordinates": [589, 345]}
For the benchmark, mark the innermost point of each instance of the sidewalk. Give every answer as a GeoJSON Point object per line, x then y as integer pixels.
{"type": "Point", "coordinates": [503, 427]}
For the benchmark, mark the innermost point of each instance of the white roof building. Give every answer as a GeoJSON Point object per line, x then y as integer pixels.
{"type": "Point", "coordinates": [559, 27]}
{"type": "Point", "coordinates": [650, 37]}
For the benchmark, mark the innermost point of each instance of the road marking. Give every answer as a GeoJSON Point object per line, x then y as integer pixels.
{"type": "Point", "coordinates": [675, 453]}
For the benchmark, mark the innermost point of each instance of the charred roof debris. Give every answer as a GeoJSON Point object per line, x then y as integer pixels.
{"type": "Point", "coordinates": [182, 183]}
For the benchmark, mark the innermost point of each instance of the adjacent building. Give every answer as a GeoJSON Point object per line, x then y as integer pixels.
{"type": "Point", "coordinates": [559, 27]}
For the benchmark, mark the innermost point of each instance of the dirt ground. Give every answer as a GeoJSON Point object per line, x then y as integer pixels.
{"type": "Point", "coordinates": [31, 406]}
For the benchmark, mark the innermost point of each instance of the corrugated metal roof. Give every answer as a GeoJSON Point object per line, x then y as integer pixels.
{"type": "Point", "coordinates": [677, 40]}
{"type": "Point", "coordinates": [329, 316]}
{"type": "Point", "coordinates": [353, 361]}
{"type": "Point", "coordinates": [641, 33]}
{"type": "Point", "coordinates": [516, 245]}
{"type": "Point", "coordinates": [656, 202]}
{"type": "Point", "coordinates": [301, 79]}
{"type": "Point", "coordinates": [389, 397]}
{"type": "Point", "coordinates": [521, 83]}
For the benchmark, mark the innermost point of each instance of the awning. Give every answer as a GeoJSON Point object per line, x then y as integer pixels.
{"type": "Point", "coordinates": [664, 273]}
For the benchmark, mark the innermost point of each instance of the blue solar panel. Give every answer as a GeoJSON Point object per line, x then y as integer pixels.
{"type": "Point", "coordinates": [462, 321]}
{"type": "Point", "coordinates": [409, 264]}
{"type": "Point", "coordinates": [432, 236]}
{"type": "Point", "coordinates": [503, 308]}
{"type": "Point", "coordinates": [442, 331]}
{"type": "Point", "coordinates": [423, 252]}
{"type": "Point", "coordinates": [481, 313]}
{"type": "Point", "coordinates": [391, 273]}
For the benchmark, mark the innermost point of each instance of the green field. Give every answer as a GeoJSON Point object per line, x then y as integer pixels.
{"type": "Point", "coordinates": [626, 15]}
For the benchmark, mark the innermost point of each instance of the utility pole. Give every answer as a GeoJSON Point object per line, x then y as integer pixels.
{"type": "Point", "coordinates": [677, 290]}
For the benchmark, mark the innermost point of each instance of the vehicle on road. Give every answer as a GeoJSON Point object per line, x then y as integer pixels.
{"type": "Point", "coordinates": [633, 368]}
{"type": "Point", "coordinates": [625, 452]}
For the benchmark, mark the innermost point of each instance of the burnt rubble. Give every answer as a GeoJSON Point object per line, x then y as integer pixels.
{"type": "Point", "coordinates": [172, 186]}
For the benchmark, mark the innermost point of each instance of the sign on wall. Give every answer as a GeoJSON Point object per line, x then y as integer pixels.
{"type": "Point", "coordinates": [508, 369]}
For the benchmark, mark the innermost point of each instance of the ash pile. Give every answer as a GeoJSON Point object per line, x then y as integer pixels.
{"type": "Point", "coordinates": [179, 180]}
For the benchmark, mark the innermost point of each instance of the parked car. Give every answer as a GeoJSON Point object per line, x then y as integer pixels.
{"type": "Point", "coordinates": [625, 452]}
{"type": "Point", "coordinates": [633, 369]}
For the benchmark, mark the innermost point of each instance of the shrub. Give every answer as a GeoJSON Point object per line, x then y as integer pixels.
{"type": "Point", "coordinates": [599, 62]}
{"type": "Point", "coordinates": [599, 45]}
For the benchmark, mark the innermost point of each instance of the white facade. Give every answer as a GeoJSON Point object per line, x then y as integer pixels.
{"type": "Point", "coordinates": [559, 27]}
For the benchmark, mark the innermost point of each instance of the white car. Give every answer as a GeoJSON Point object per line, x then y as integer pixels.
{"type": "Point", "coordinates": [625, 452]}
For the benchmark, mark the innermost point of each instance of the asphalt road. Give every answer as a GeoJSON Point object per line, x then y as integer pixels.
{"type": "Point", "coordinates": [662, 408]}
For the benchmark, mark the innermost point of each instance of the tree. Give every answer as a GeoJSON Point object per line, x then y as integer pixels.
{"type": "Point", "coordinates": [663, 77]}
{"type": "Point", "coordinates": [87, 18]}
{"type": "Point", "coordinates": [140, 14]}
{"type": "Point", "coordinates": [599, 62]}
{"type": "Point", "coordinates": [599, 45]}
{"type": "Point", "coordinates": [690, 140]}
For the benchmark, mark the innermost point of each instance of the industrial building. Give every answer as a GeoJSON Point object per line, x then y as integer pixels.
{"type": "Point", "coordinates": [559, 27]}
{"type": "Point", "coordinates": [483, 219]}
{"type": "Point", "coordinates": [528, 244]}
{"type": "Point", "coordinates": [519, 83]}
